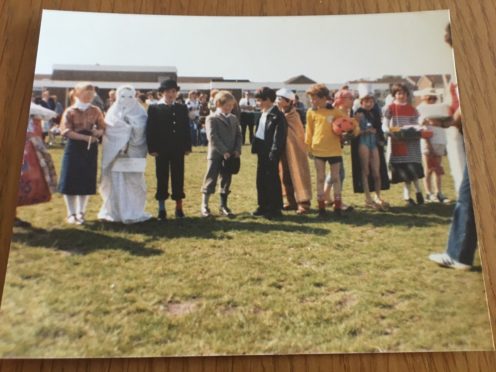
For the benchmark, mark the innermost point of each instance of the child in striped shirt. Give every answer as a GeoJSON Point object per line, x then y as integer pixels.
{"type": "Point", "coordinates": [406, 156]}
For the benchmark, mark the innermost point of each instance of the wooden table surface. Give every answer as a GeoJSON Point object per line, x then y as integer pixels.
{"type": "Point", "coordinates": [474, 35]}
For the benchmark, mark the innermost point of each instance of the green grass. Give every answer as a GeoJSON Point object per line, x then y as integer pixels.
{"type": "Point", "coordinates": [361, 283]}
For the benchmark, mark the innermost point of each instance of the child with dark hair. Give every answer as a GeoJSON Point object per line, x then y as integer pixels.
{"type": "Point", "coordinates": [406, 157]}
{"type": "Point", "coordinates": [268, 144]}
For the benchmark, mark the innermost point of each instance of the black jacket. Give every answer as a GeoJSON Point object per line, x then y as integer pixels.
{"type": "Point", "coordinates": [167, 129]}
{"type": "Point", "coordinates": [276, 130]}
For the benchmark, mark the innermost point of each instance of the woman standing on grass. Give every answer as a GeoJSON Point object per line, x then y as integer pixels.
{"type": "Point", "coordinates": [83, 125]}
{"type": "Point", "coordinates": [123, 187]}
{"type": "Point", "coordinates": [294, 169]}
{"type": "Point", "coordinates": [406, 157]}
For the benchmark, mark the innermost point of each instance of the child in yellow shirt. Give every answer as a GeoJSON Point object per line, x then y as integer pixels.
{"type": "Point", "coordinates": [323, 145]}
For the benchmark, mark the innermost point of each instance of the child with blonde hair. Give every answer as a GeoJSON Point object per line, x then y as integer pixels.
{"type": "Point", "coordinates": [83, 125]}
{"type": "Point", "coordinates": [224, 142]}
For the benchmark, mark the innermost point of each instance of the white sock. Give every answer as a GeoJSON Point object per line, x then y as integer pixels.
{"type": "Point", "coordinates": [406, 190]}
{"type": "Point", "coordinates": [417, 185]}
{"type": "Point", "coordinates": [82, 203]}
{"type": "Point", "coordinates": [70, 203]}
{"type": "Point", "coordinates": [205, 200]}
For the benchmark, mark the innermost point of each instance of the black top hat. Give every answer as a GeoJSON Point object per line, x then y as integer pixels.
{"type": "Point", "coordinates": [168, 84]}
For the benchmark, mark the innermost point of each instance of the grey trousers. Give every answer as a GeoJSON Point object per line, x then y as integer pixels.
{"type": "Point", "coordinates": [213, 171]}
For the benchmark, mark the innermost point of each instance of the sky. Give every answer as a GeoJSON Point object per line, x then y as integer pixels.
{"type": "Point", "coordinates": [328, 49]}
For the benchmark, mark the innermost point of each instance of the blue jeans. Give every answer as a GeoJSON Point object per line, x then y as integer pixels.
{"type": "Point", "coordinates": [462, 239]}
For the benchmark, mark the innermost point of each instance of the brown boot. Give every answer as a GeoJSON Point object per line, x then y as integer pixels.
{"type": "Point", "coordinates": [179, 209]}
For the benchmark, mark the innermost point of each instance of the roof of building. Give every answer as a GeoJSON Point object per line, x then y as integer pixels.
{"type": "Point", "coordinates": [300, 79]}
{"type": "Point", "coordinates": [115, 68]}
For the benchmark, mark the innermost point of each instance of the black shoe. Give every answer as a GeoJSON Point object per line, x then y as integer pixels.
{"type": "Point", "coordinates": [410, 202]}
{"type": "Point", "coordinates": [179, 213]}
{"type": "Point", "coordinates": [226, 211]}
{"type": "Point", "coordinates": [420, 198]}
{"type": "Point", "coordinates": [20, 223]}
{"type": "Point", "coordinates": [258, 212]}
{"type": "Point", "coordinates": [205, 212]}
{"type": "Point", "coordinates": [273, 215]}
{"type": "Point", "coordinates": [162, 215]}
{"type": "Point", "coordinates": [338, 212]}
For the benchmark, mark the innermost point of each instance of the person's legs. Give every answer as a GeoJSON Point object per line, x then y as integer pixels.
{"type": "Point", "coordinates": [364, 153]}
{"type": "Point", "coordinates": [261, 197]}
{"type": "Point", "coordinates": [273, 188]}
{"type": "Point", "coordinates": [82, 202]}
{"type": "Point", "coordinates": [225, 185]}
{"type": "Point", "coordinates": [462, 239]}
{"type": "Point", "coordinates": [70, 203]}
{"type": "Point", "coordinates": [418, 194]}
{"type": "Point", "coordinates": [320, 175]}
{"type": "Point", "coordinates": [251, 131]}
{"type": "Point", "coordinates": [328, 189]}
{"type": "Point", "coordinates": [287, 184]}
{"type": "Point", "coordinates": [162, 175]}
{"type": "Point", "coordinates": [209, 184]}
{"type": "Point", "coordinates": [177, 181]}
{"type": "Point", "coordinates": [336, 185]}
{"type": "Point", "coordinates": [375, 165]}
{"type": "Point", "coordinates": [428, 177]}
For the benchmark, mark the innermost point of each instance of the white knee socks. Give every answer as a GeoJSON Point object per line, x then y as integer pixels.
{"type": "Point", "coordinates": [76, 204]}
{"type": "Point", "coordinates": [70, 203]}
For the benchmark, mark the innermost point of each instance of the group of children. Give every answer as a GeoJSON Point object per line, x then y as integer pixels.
{"type": "Point", "coordinates": [282, 144]}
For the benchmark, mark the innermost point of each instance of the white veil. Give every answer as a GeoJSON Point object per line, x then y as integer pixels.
{"type": "Point", "coordinates": [126, 121]}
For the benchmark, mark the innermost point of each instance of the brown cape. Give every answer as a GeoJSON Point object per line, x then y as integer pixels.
{"type": "Point", "coordinates": [294, 169]}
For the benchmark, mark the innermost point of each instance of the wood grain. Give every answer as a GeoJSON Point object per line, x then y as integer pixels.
{"type": "Point", "coordinates": [473, 27]}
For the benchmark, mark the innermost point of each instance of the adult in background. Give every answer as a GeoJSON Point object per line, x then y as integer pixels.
{"type": "Point", "coordinates": [122, 186]}
{"type": "Point", "coordinates": [268, 144]}
{"type": "Point", "coordinates": [462, 238]}
{"type": "Point", "coordinates": [294, 169]}
{"type": "Point", "coordinates": [454, 136]}
{"type": "Point", "coordinates": [247, 106]}
{"type": "Point", "coordinates": [110, 100]}
{"type": "Point", "coordinates": [193, 104]}
{"type": "Point", "coordinates": [301, 109]}
{"type": "Point", "coordinates": [97, 100]}
{"type": "Point", "coordinates": [169, 140]}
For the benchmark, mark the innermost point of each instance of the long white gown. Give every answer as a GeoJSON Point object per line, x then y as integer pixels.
{"type": "Point", "coordinates": [124, 191]}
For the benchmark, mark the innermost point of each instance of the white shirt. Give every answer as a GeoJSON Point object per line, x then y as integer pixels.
{"type": "Point", "coordinates": [219, 111]}
{"type": "Point", "coordinates": [261, 124]}
{"type": "Point", "coordinates": [247, 102]}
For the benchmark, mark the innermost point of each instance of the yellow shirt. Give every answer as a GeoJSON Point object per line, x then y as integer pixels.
{"type": "Point", "coordinates": [319, 137]}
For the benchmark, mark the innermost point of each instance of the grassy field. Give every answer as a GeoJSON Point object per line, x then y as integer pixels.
{"type": "Point", "coordinates": [361, 283]}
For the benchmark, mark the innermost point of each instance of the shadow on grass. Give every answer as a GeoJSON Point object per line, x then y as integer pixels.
{"type": "Point", "coordinates": [94, 235]}
{"type": "Point", "coordinates": [207, 228]}
{"type": "Point", "coordinates": [80, 241]}
{"type": "Point", "coordinates": [420, 216]}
